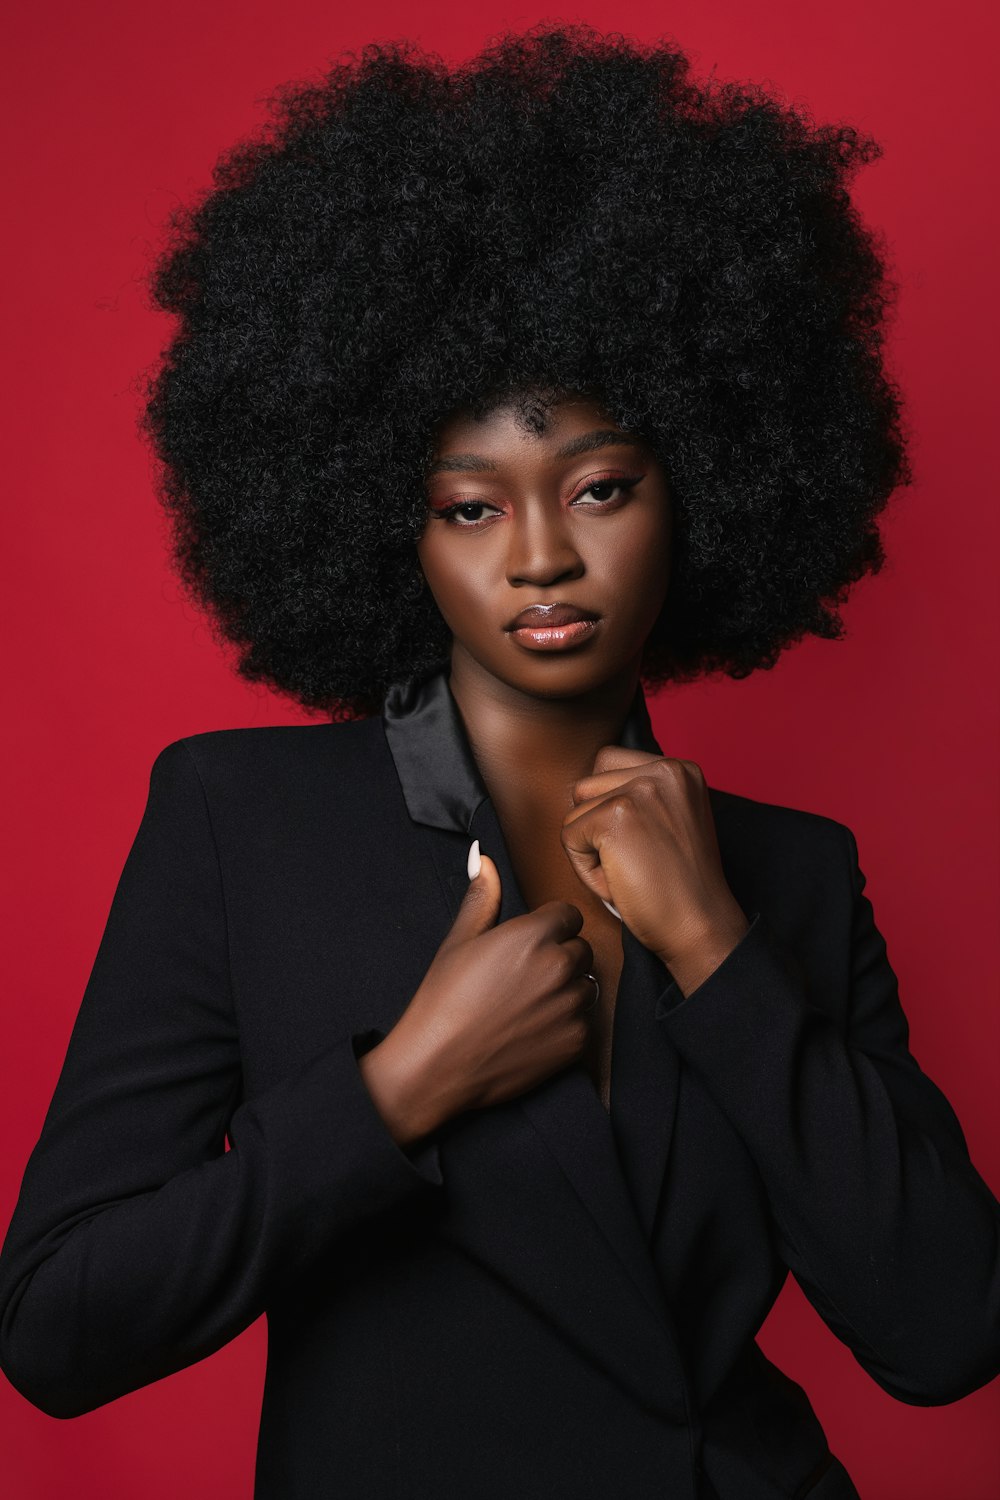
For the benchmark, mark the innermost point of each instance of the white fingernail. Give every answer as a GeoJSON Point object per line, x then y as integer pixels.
{"type": "Point", "coordinates": [614, 912]}
{"type": "Point", "coordinates": [474, 864]}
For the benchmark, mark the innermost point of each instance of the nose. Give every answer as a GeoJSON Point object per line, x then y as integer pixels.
{"type": "Point", "coordinates": [540, 550]}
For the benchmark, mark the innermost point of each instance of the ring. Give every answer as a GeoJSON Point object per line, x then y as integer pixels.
{"type": "Point", "coordinates": [597, 987]}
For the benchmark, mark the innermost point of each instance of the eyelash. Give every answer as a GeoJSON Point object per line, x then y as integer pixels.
{"type": "Point", "coordinates": [617, 482]}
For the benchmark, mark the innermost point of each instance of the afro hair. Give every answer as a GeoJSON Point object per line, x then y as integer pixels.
{"type": "Point", "coordinates": [568, 211]}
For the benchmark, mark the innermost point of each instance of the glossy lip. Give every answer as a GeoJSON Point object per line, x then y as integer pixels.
{"type": "Point", "coordinates": [540, 616]}
{"type": "Point", "coordinates": [554, 637]}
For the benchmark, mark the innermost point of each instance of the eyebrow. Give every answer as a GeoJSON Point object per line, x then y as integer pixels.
{"type": "Point", "coordinates": [587, 442]}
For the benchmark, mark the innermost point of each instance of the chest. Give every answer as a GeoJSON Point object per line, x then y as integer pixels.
{"type": "Point", "coordinates": [544, 874]}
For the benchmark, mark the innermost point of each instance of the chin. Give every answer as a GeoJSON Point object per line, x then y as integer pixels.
{"type": "Point", "coordinates": [561, 674]}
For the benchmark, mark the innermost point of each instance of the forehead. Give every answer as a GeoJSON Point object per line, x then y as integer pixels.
{"type": "Point", "coordinates": [508, 427]}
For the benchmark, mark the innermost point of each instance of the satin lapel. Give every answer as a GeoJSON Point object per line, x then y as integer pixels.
{"type": "Point", "coordinates": [596, 1277]}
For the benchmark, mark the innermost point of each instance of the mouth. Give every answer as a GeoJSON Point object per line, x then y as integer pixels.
{"type": "Point", "coordinates": [552, 626]}
{"type": "Point", "coordinates": [540, 616]}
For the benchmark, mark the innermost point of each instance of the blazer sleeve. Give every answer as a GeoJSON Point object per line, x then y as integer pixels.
{"type": "Point", "coordinates": [138, 1243]}
{"type": "Point", "coordinates": [879, 1213]}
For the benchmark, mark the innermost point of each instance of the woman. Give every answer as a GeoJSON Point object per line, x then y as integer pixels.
{"type": "Point", "coordinates": [497, 396]}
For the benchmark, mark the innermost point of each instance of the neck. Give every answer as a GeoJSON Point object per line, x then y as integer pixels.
{"type": "Point", "coordinates": [531, 749]}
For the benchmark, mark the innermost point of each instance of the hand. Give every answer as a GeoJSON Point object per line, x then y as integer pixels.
{"type": "Point", "coordinates": [501, 1007]}
{"type": "Point", "coordinates": [641, 835]}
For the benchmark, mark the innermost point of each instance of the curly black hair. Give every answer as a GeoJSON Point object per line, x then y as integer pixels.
{"type": "Point", "coordinates": [567, 212]}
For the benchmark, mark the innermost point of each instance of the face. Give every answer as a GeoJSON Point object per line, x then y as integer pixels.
{"type": "Point", "coordinates": [577, 515]}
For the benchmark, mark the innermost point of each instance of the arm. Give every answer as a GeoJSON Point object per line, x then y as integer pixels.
{"type": "Point", "coordinates": [139, 1244]}
{"type": "Point", "coordinates": [880, 1214]}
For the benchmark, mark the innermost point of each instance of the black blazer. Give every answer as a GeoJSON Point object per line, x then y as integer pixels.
{"type": "Point", "coordinates": [542, 1299]}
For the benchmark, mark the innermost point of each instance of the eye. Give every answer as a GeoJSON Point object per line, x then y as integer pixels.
{"type": "Point", "coordinates": [450, 513]}
{"type": "Point", "coordinates": [625, 485]}
{"type": "Point", "coordinates": [458, 513]}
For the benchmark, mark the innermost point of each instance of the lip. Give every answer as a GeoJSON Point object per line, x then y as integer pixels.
{"type": "Point", "coordinates": [554, 637]}
{"type": "Point", "coordinates": [541, 616]}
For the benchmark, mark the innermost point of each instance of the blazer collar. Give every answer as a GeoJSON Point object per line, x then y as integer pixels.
{"type": "Point", "coordinates": [441, 782]}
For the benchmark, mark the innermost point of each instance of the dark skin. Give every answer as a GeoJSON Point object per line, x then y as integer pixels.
{"type": "Point", "coordinates": [577, 513]}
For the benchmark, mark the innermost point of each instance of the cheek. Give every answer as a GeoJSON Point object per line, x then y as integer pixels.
{"type": "Point", "coordinates": [638, 565]}
{"type": "Point", "coordinates": [433, 559]}
{"type": "Point", "coordinates": [455, 584]}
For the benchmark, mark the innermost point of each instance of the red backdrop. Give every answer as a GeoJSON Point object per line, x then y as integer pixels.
{"type": "Point", "coordinates": [116, 111]}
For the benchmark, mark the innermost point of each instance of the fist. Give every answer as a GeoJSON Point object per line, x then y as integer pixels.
{"type": "Point", "coordinates": [641, 835]}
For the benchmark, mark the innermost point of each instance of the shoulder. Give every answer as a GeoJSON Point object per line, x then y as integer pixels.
{"type": "Point", "coordinates": [277, 743]}
{"type": "Point", "coordinates": [752, 813]}
{"type": "Point", "coordinates": [753, 830]}
{"type": "Point", "coordinates": [265, 759]}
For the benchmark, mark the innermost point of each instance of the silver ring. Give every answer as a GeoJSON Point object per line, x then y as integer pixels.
{"type": "Point", "coordinates": [597, 987]}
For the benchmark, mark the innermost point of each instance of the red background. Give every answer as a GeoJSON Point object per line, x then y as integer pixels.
{"type": "Point", "coordinates": [113, 113]}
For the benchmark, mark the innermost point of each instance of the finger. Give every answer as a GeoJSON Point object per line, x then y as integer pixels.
{"type": "Point", "coordinates": [559, 920]}
{"type": "Point", "coordinates": [587, 805]}
{"type": "Point", "coordinates": [581, 952]}
{"type": "Point", "coordinates": [617, 757]}
{"type": "Point", "coordinates": [597, 785]}
{"type": "Point", "coordinates": [480, 905]}
{"type": "Point", "coordinates": [589, 994]}
{"type": "Point", "coordinates": [582, 850]}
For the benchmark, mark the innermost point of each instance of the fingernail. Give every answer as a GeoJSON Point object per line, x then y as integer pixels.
{"type": "Point", "coordinates": [474, 864]}
{"type": "Point", "coordinates": [614, 912]}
